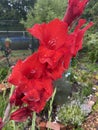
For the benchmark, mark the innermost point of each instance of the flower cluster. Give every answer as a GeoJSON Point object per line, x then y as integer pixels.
{"type": "Point", "coordinates": [33, 78]}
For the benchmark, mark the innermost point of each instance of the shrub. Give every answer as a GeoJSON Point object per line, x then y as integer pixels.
{"type": "Point", "coordinates": [83, 79]}
{"type": "Point", "coordinates": [71, 115]}
{"type": "Point", "coordinates": [91, 47]}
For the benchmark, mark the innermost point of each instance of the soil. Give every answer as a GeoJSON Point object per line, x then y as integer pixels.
{"type": "Point", "coordinates": [91, 122]}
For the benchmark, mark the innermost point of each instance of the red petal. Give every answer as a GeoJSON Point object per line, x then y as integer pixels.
{"type": "Point", "coordinates": [16, 76]}
{"type": "Point", "coordinates": [78, 35]}
{"type": "Point", "coordinates": [38, 31]}
{"type": "Point", "coordinates": [32, 95]}
{"type": "Point", "coordinates": [31, 67]}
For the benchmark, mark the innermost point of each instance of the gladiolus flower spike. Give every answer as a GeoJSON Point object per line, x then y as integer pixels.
{"type": "Point", "coordinates": [34, 76]}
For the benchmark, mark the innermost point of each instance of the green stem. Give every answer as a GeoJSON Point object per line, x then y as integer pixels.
{"type": "Point", "coordinates": [33, 121]}
{"type": "Point", "coordinates": [8, 108]}
{"type": "Point", "coordinates": [51, 103]}
{"type": "Point", "coordinates": [11, 91]}
{"type": "Point", "coordinates": [4, 93]}
{"type": "Point", "coordinates": [14, 127]}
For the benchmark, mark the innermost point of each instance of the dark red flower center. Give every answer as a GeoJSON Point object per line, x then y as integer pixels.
{"type": "Point", "coordinates": [52, 44]}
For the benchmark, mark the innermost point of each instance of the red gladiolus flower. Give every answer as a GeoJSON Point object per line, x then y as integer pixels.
{"type": "Point", "coordinates": [58, 44]}
{"type": "Point", "coordinates": [31, 87]}
{"type": "Point", "coordinates": [33, 77]}
{"type": "Point", "coordinates": [54, 41]}
{"type": "Point", "coordinates": [28, 69]}
{"type": "Point", "coordinates": [74, 10]}
{"type": "Point", "coordinates": [35, 95]}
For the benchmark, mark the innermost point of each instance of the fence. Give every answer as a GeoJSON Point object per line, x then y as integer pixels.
{"type": "Point", "coordinates": [19, 39]}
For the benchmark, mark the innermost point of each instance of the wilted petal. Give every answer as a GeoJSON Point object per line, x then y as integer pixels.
{"type": "Point", "coordinates": [16, 98]}
{"type": "Point", "coordinates": [21, 114]}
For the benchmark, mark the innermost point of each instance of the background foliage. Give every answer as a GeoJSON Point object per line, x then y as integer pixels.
{"type": "Point", "coordinates": [11, 12]}
{"type": "Point", "coordinates": [44, 11]}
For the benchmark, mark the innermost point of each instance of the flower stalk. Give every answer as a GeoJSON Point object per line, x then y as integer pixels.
{"type": "Point", "coordinates": [33, 121]}
{"type": "Point", "coordinates": [51, 104]}
{"type": "Point", "coordinates": [8, 109]}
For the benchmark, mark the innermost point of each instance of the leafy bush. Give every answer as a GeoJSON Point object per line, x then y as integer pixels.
{"type": "Point", "coordinates": [44, 11]}
{"type": "Point", "coordinates": [84, 80]}
{"type": "Point", "coordinates": [3, 103]}
{"type": "Point", "coordinates": [91, 47]}
{"type": "Point", "coordinates": [71, 115]}
{"type": "Point", "coordinates": [3, 73]}
{"type": "Point", "coordinates": [86, 90]}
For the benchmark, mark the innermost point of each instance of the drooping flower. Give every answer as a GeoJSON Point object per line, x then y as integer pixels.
{"type": "Point", "coordinates": [74, 10]}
